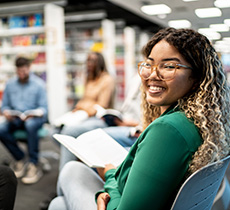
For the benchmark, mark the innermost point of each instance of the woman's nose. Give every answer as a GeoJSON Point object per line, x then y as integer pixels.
{"type": "Point", "coordinates": [154, 74]}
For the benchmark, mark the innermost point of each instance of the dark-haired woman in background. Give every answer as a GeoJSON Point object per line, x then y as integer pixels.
{"type": "Point", "coordinates": [98, 89]}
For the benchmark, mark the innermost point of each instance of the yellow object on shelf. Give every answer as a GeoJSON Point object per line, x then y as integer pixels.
{"type": "Point", "coordinates": [97, 47]}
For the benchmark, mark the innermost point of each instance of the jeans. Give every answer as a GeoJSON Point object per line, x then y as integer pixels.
{"type": "Point", "coordinates": [31, 126]}
{"type": "Point", "coordinates": [8, 187]}
{"type": "Point", "coordinates": [78, 185]}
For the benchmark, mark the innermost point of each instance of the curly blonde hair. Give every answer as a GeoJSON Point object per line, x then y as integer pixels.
{"type": "Point", "coordinates": [208, 103]}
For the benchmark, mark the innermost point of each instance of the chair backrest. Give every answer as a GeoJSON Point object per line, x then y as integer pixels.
{"type": "Point", "coordinates": [199, 190]}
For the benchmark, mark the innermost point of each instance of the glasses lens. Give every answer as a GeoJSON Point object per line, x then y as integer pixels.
{"type": "Point", "coordinates": [144, 70]}
{"type": "Point", "coordinates": [167, 70]}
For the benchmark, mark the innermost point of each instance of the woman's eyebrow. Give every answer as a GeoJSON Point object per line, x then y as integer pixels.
{"type": "Point", "coordinates": [171, 59]}
{"type": "Point", "coordinates": [148, 58]}
{"type": "Point", "coordinates": [166, 59]}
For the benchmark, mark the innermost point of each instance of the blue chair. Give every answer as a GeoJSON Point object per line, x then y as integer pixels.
{"type": "Point", "coordinates": [21, 134]}
{"type": "Point", "coordinates": [199, 190]}
{"type": "Point", "coordinates": [43, 132]}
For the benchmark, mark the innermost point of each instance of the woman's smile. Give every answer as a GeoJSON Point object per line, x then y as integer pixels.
{"type": "Point", "coordinates": [155, 89]}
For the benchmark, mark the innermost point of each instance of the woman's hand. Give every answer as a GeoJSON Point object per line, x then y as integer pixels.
{"type": "Point", "coordinates": [102, 201]}
{"type": "Point", "coordinates": [102, 171]}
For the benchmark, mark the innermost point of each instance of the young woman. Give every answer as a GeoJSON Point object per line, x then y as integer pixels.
{"type": "Point", "coordinates": [186, 115]}
{"type": "Point", "coordinates": [99, 89]}
{"type": "Point", "coordinates": [99, 86]}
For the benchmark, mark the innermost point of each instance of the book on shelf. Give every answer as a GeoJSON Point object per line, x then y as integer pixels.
{"type": "Point", "coordinates": [109, 115]}
{"type": "Point", "coordinates": [24, 115]}
{"type": "Point", "coordinates": [95, 148]}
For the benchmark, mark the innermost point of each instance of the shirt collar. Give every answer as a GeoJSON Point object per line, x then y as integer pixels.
{"type": "Point", "coordinates": [171, 109]}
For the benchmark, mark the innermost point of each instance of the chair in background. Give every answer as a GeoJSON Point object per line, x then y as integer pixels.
{"type": "Point", "coordinates": [43, 132]}
{"type": "Point", "coordinates": [199, 190]}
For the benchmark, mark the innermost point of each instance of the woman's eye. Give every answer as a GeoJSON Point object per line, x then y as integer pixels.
{"type": "Point", "coordinates": [147, 65]}
{"type": "Point", "coordinates": [169, 66]}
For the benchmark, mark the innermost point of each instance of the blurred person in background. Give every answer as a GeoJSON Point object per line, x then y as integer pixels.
{"type": "Point", "coordinates": [98, 89]}
{"type": "Point", "coordinates": [25, 93]}
{"type": "Point", "coordinates": [8, 188]}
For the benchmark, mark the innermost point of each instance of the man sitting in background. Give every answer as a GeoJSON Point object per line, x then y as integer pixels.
{"type": "Point", "coordinates": [24, 93]}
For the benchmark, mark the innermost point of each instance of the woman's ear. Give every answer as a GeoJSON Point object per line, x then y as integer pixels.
{"type": "Point", "coordinates": [195, 86]}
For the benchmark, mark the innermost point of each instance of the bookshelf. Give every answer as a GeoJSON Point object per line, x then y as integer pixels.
{"type": "Point", "coordinates": [39, 37]}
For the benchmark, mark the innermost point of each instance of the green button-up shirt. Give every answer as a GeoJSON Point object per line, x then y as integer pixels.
{"type": "Point", "coordinates": [156, 164]}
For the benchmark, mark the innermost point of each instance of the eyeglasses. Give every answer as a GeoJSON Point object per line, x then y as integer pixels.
{"type": "Point", "coordinates": [91, 61]}
{"type": "Point", "coordinates": [164, 70]}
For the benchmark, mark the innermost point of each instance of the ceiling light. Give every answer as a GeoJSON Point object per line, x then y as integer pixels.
{"type": "Point", "coordinates": [210, 33]}
{"type": "Point", "coordinates": [222, 47]}
{"type": "Point", "coordinates": [222, 3]}
{"type": "Point", "coordinates": [219, 27]}
{"type": "Point", "coordinates": [83, 16]}
{"type": "Point", "coordinates": [156, 9]}
{"type": "Point", "coordinates": [162, 16]}
{"type": "Point", "coordinates": [189, 0]}
{"type": "Point", "coordinates": [222, 42]}
{"type": "Point", "coordinates": [227, 39]}
{"type": "Point", "coordinates": [227, 22]}
{"type": "Point", "coordinates": [208, 12]}
{"type": "Point", "coordinates": [179, 24]}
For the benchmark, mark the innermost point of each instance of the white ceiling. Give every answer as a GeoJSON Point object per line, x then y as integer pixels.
{"type": "Point", "coordinates": [180, 10]}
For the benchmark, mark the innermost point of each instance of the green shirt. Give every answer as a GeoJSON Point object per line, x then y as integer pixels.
{"type": "Point", "coordinates": [155, 167]}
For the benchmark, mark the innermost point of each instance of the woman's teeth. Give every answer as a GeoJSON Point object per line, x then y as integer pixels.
{"type": "Point", "coordinates": [155, 88]}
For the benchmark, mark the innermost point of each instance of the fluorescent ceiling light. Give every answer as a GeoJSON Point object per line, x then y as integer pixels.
{"type": "Point", "coordinates": [219, 27]}
{"type": "Point", "coordinates": [162, 16]}
{"type": "Point", "coordinates": [222, 3]}
{"type": "Point", "coordinates": [224, 43]}
{"type": "Point", "coordinates": [189, 0]}
{"type": "Point", "coordinates": [156, 9]}
{"type": "Point", "coordinates": [226, 39]}
{"type": "Point", "coordinates": [83, 16]}
{"type": "Point", "coordinates": [227, 22]}
{"type": "Point", "coordinates": [222, 46]}
{"type": "Point", "coordinates": [210, 33]}
{"type": "Point", "coordinates": [205, 30]}
{"type": "Point", "coordinates": [179, 24]}
{"type": "Point", "coordinates": [208, 12]}
{"type": "Point", "coordinates": [220, 42]}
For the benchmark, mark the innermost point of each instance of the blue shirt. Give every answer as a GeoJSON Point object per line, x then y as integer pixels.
{"type": "Point", "coordinates": [25, 96]}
